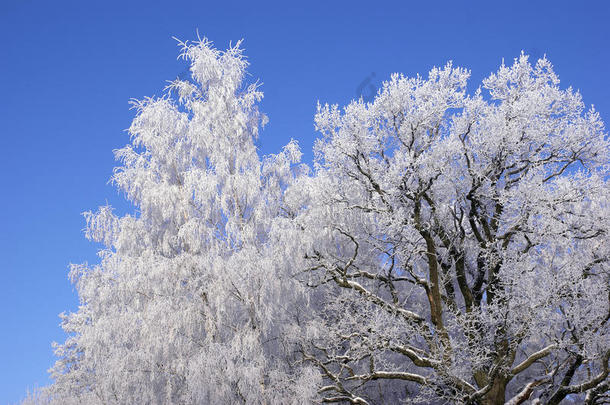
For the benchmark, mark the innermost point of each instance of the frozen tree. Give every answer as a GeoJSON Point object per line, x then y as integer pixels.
{"type": "Point", "coordinates": [460, 242]}
{"type": "Point", "coordinates": [445, 248]}
{"type": "Point", "coordinates": [189, 303]}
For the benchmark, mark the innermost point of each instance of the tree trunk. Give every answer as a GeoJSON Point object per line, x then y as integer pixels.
{"type": "Point", "coordinates": [496, 394]}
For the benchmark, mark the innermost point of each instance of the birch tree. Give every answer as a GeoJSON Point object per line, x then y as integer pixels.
{"type": "Point", "coordinates": [189, 303]}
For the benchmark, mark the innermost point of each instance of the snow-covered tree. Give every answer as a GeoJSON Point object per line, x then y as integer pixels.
{"type": "Point", "coordinates": [461, 242]}
{"type": "Point", "coordinates": [189, 303]}
{"type": "Point", "coordinates": [445, 248]}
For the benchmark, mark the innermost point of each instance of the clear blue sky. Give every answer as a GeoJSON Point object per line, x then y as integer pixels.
{"type": "Point", "coordinates": [68, 69]}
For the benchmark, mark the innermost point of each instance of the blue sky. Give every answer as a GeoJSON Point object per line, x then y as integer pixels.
{"type": "Point", "coordinates": [68, 70]}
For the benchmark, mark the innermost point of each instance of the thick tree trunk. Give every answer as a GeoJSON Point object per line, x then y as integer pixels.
{"type": "Point", "coordinates": [496, 395]}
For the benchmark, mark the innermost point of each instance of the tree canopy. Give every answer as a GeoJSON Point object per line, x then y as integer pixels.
{"type": "Point", "coordinates": [444, 247]}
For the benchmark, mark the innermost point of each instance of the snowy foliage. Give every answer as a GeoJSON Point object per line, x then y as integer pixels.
{"type": "Point", "coordinates": [445, 248]}
{"type": "Point", "coordinates": [188, 303]}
